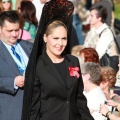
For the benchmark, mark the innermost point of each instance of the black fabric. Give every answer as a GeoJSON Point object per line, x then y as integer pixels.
{"type": "Point", "coordinates": [60, 68]}
{"type": "Point", "coordinates": [52, 10]}
{"type": "Point", "coordinates": [111, 61]}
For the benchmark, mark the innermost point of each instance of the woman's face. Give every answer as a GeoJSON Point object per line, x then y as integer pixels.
{"type": "Point", "coordinates": [56, 41]}
{"type": "Point", "coordinates": [6, 5]}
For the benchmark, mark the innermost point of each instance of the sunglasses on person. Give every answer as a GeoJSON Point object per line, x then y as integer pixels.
{"type": "Point", "coordinates": [6, 1]}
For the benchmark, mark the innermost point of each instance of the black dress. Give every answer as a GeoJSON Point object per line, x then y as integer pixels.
{"type": "Point", "coordinates": [60, 68]}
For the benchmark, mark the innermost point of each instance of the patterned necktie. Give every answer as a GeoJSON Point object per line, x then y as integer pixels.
{"type": "Point", "coordinates": [18, 57]}
{"type": "Point", "coordinates": [15, 53]}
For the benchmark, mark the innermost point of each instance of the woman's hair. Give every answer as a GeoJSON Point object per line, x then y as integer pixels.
{"type": "Point", "coordinates": [108, 74]}
{"type": "Point", "coordinates": [53, 25]}
{"type": "Point", "coordinates": [21, 20]}
{"type": "Point", "coordinates": [76, 50]}
{"type": "Point", "coordinates": [94, 70]}
{"type": "Point", "coordinates": [1, 7]}
{"type": "Point", "coordinates": [28, 11]}
{"type": "Point", "coordinates": [90, 55]}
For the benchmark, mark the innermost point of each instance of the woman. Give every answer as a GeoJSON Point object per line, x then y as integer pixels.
{"type": "Point", "coordinates": [28, 11]}
{"type": "Point", "coordinates": [86, 54]}
{"type": "Point", "coordinates": [5, 5]}
{"type": "Point", "coordinates": [52, 91]}
{"type": "Point", "coordinates": [56, 91]}
{"type": "Point", "coordinates": [108, 80]}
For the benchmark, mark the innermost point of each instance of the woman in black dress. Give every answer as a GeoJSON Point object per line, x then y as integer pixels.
{"type": "Point", "coordinates": [53, 84]}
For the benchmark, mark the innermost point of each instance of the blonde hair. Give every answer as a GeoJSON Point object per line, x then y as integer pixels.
{"type": "Point", "coordinates": [54, 25]}
{"type": "Point", "coordinates": [76, 50]}
{"type": "Point", "coordinates": [108, 74]}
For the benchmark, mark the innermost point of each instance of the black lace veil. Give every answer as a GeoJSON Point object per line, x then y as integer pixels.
{"type": "Point", "coordinates": [52, 10]}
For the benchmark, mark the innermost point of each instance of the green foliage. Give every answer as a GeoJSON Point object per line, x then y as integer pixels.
{"type": "Point", "coordinates": [117, 9]}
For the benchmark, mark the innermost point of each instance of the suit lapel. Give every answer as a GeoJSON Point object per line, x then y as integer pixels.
{"type": "Point", "coordinates": [52, 70]}
{"type": "Point", "coordinates": [49, 66]}
{"type": "Point", "coordinates": [27, 48]}
{"type": "Point", "coordinates": [5, 55]}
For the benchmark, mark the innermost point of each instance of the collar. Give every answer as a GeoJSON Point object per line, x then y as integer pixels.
{"type": "Point", "coordinates": [98, 31]}
{"type": "Point", "coordinates": [47, 60]}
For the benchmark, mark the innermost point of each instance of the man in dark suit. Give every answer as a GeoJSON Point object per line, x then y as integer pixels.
{"type": "Point", "coordinates": [14, 55]}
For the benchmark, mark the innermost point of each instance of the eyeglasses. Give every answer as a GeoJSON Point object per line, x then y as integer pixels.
{"type": "Point", "coordinates": [6, 1]}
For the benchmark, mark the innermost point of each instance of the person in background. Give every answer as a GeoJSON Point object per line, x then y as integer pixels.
{"type": "Point", "coordinates": [105, 3]}
{"type": "Point", "coordinates": [86, 55]}
{"type": "Point", "coordinates": [77, 23]}
{"type": "Point", "coordinates": [5, 5]}
{"type": "Point", "coordinates": [105, 111]}
{"type": "Point", "coordinates": [91, 78]}
{"type": "Point", "coordinates": [23, 34]}
{"type": "Point", "coordinates": [89, 55]}
{"type": "Point", "coordinates": [39, 6]}
{"type": "Point", "coordinates": [108, 77]}
{"type": "Point", "coordinates": [28, 11]}
{"type": "Point", "coordinates": [110, 12]}
{"type": "Point", "coordinates": [14, 55]}
{"type": "Point", "coordinates": [54, 93]}
{"type": "Point", "coordinates": [101, 36]}
{"type": "Point", "coordinates": [75, 51]}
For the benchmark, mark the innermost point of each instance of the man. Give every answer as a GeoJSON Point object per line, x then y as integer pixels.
{"type": "Point", "coordinates": [91, 78]}
{"type": "Point", "coordinates": [14, 55]}
{"type": "Point", "coordinates": [110, 12]}
{"type": "Point", "coordinates": [105, 3]}
{"type": "Point", "coordinates": [100, 36]}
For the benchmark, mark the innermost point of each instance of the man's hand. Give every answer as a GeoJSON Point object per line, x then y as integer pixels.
{"type": "Point", "coordinates": [19, 81]}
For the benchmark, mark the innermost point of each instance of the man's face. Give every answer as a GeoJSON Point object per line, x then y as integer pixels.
{"type": "Point", "coordinates": [9, 32]}
{"type": "Point", "coordinates": [94, 19]}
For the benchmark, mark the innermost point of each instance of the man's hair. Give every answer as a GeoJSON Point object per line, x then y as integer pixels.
{"type": "Point", "coordinates": [10, 16]}
{"type": "Point", "coordinates": [94, 70]}
{"type": "Point", "coordinates": [101, 12]}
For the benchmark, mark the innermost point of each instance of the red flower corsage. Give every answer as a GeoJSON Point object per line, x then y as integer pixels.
{"type": "Point", "coordinates": [74, 71]}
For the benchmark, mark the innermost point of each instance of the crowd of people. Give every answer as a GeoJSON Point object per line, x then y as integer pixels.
{"type": "Point", "coordinates": [49, 70]}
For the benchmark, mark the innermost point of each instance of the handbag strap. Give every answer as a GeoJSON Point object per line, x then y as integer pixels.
{"type": "Point", "coordinates": [21, 34]}
{"type": "Point", "coordinates": [113, 37]}
{"type": "Point", "coordinates": [115, 41]}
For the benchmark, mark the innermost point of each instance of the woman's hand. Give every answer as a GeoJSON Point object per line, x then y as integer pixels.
{"type": "Point", "coordinates": [103, 109]}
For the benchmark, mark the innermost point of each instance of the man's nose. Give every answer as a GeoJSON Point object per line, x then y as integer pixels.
{"type": "Point", "coordinates": [14, 33]}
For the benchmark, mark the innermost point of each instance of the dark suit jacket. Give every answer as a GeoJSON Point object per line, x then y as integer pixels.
{"type": "Point", "coordinates": [10, 99]}
{"type": "Point", "coordinates": [55, 100]}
